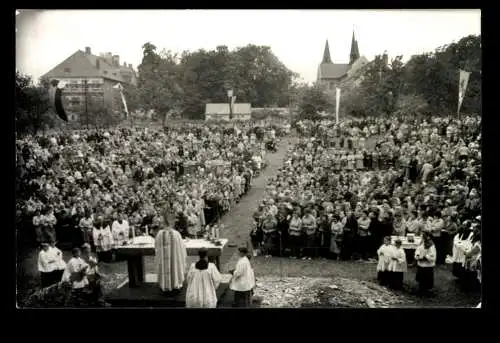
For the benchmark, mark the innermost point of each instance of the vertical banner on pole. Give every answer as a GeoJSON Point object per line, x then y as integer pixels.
{"type": "Point", "coordinates": [124, 102]}
{"type": "Point", "coordinates": [120, 88]}
{"type": "Point", "coordinates": [462, 87]}
{"type": "Point", "coordinates": [337, 101]}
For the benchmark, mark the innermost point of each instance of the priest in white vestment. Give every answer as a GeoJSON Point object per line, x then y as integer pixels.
{"type": "Point", "coordinates": [170, 255]}
{"type": "Point", "coordinates": [203, 279]}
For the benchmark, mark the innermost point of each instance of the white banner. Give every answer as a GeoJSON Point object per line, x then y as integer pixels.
{"type": "Point", "coordinates": [462, 87]}
{"type": "Point", "coordinates": [337, 101]}
{"type": "Point", "coordinates": [124, 102]}
{"type": "Point", "coordinates": [120, 88]}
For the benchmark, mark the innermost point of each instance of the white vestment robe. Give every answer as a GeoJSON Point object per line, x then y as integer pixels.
{"type": "Point", "coordinates": [202, 287]}
{"type": "Point", "coordinates": [170, 259]}
{"type": "Point", "coordinates": [399, 264]}
{"type": "Point", "coordinates": [385, 253]}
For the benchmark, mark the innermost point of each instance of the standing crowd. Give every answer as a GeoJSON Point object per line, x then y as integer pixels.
{"type": "Point", "coordinates": [345, 189]}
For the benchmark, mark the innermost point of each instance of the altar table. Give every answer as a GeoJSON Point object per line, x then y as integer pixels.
{"type": "Point", "coordinates": [134, 254]}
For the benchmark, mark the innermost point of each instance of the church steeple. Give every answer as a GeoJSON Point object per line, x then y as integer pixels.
{"type": "Point", "coordinates": [326, 54]}
{"type": "Point", "coordinates": [354, 50]}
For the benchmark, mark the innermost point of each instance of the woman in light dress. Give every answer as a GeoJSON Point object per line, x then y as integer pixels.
{"type": "Point", "coordinates": [336, 229]}
{"type": "Point", "coordinates": [203, 279]}
{"type": "Point", "coordinates": [359, 160]}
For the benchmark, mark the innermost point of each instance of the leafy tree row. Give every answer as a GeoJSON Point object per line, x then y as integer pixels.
{"type": "Point", "coordinates": [185, 83]}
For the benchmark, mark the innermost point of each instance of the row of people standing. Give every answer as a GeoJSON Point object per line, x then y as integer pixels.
{"type": "Point", "coordinates": [307, 235]}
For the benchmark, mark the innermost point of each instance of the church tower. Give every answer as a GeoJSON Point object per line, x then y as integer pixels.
{"type": "Point", "coordinates": [354, 50]}
{"type": "Point", "coordinates": [326, 54]}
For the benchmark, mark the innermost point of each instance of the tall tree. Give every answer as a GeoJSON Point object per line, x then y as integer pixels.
{"type": "Point", "coordinates": [435, 75]}
{"type": "Point", "coordinates": [313, 102]}
{"type": "Point", "coordinates": [32, 105]}
{"type": "Point", "coordinates": [157, 84]}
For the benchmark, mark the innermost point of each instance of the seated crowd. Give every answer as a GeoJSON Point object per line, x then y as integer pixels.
{"type": "Point", "coordinates": [335, 198]}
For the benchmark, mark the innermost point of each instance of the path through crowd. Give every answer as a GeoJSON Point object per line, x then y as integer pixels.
{"type": "Point", "coordinates": [238, 221]}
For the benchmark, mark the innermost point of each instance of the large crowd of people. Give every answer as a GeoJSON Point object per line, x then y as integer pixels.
{"type": "Point", "coordinates": [347, 191]}
{"type": "Point", "coordinates": [93, 186]}
{"type": "Point", "coordinates": [338, 197]}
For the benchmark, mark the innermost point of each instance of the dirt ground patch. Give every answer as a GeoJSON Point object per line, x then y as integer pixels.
{"type": "Point", "coordinates": [446, 293]}
{"type": "Point", "coordinates": [293, 292]}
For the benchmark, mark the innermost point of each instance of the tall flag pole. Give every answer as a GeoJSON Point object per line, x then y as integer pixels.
{"type": "Point", "coordinates": [120, 88]}
{"type": "Point", "coordinates": [55, 97]}
{"type": "Point", "coordinates": [462, 87]}
{"type": "Point", "coordinates": [337, 101]}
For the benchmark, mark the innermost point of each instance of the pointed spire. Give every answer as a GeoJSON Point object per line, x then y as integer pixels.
{"type": "Point", "coordinates": [326, 54]}
{"type": "Point", "coordinates": [354, 49]}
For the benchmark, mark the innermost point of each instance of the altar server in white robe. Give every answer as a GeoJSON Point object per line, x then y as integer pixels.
{"type": "Point", "coordinates": [425, 255]}
{"type": "Point", "coordinates": [385, 253]}
{"type": "Point", "coordinates": [46, 265]}
{"type": "Point", "coordinates": [397, 265]}
{"type": "Point", "coordinates": [243, 280]}
{"type": "Point", "coordinates": [170, 254]}
{"type": "Point", "coordinates": [203, 279]}
{"type": "Point", "coordinates": [60, 263]}
{"type": "Point", "coordinates": [103, 240]}
{"type": "Point", "coordinates": [120, 230]}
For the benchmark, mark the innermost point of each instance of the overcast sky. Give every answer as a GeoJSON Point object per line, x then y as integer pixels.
{"type": "Point", "coordinates": [297, 37]}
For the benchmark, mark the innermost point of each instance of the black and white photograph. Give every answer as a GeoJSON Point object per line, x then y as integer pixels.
{"type": "Point", "coordinates": [248, 158]}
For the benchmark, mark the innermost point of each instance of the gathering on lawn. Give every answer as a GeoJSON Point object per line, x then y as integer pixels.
{"type": "Point", "coordinates": [420, 181]}
{"type": "Point", "coordinates": [95, 190]}
{"type": "Point", "coordinates": [409, 198]}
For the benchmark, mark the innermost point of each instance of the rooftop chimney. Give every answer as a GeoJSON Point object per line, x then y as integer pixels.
{"type": "Point", "coordinates": [130, 66]}
{"type": "Point", "coordinates": [97, 63]}
{"type": "Point", "coordinates": [88, 51]}
{"type": "Point", "coordinates": [124, 64]}
{"type": "Point", "coordinates": [116, 60]}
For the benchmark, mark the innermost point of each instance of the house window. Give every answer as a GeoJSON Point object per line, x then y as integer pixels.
{"type": "Point", "coordinates": [67, 70]}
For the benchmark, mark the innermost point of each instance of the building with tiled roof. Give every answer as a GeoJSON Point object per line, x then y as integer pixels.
{"type": "Point", "coordinates": [91, 78]}
{"type": "Point", "coordinates": [331, 74]}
